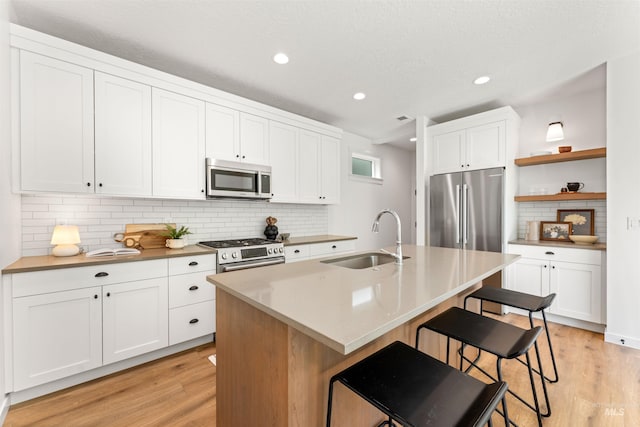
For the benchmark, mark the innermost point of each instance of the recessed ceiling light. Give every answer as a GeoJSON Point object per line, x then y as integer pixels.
{"type": "Point", "coordinates": [281, 58]}
{"type": "Point", "coordinates": [359, 96]}
{"type": "Point", "coordinates": [481, 80]}
{"type": "Point", "coordinates": [414, 139]}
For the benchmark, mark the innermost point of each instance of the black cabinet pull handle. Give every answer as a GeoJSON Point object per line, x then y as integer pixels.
{"type": "Point", "coordinates": [193, 288]}
{"type": "Point", "coordinates": [88, 184]}
{"type": "Point", "coordinates": [545, 266]}
{"type": "Point", "coordinates": [102, 274]}
{"type": "Point", "coordinates": [297, 251]}
{"type": "Point", "coordinates": [108, 294]}
{"type": "Point", "coordinates": [192, 263]}
{"type": "Point", "coordinates": [95, 296]}
{"type": "Point", "coordinates": [549, 253]}
{"type": "Point", "coordinates": [192, 321]}
{"type": "Point", "coordinates": [553, 266]}
{"type": "Point", "coordinates": [100, 185]}
{"type": "Point", "coordinates": [333, 247]}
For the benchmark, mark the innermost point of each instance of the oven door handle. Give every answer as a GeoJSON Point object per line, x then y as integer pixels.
{"type": "Point", "coordinates": [244, 266]}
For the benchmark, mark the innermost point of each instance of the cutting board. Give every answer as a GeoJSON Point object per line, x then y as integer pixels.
{"type": "Point", "coordinates": [146, 236]}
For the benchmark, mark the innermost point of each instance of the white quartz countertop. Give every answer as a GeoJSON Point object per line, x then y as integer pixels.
{"type": "Point", "coordinates": [345, 308]}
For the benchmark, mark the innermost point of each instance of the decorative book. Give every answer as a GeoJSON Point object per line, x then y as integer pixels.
{"type": "Point", "coordinates": [113, 252]}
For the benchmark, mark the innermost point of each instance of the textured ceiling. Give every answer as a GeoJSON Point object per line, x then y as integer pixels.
{"type": "Point", "coordinates": [409, 57]}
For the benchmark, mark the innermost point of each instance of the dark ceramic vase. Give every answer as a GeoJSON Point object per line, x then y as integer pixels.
{"type": "Point", "coordinates": [271, 231]}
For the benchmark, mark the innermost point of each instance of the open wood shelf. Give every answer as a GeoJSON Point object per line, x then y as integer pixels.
{"type": "Point", "coordinates": [561, 196]}
{"type": "Point", "coordinates": [562, 157]}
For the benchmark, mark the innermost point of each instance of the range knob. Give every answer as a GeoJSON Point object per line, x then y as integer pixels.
{"type": "Point", "coordinates": [234, 255]}
{"type": "Point", "coordinates": [224, 255]}
{"type": "Point", "coordinates": [270, 251]}
{"type": "Point", "coordinates": [281, 250]}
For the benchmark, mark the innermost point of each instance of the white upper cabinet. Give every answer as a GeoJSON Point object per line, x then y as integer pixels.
{"type": "Point", "coordinates": [123, 136]}
{"type": "Point", "coordinates": [309, 167]}
{"type": "Point", "coordinates": [178, 145]}
{"type": "Point", "coordinates": [330, 170]}
{"type": "Point", "coordinates": [478, 147]}
{"type": "Point", "coordinates": [56, 125]}
{"type": "Point", "coordinates": [254, 139]}
{"type": "Point", "coordinates": [283, 152]}
{"type": "Point", "coordinates": [223, 132]}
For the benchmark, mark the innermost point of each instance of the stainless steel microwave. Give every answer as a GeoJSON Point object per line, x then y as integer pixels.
{"type": "Point", "coordinates": [226, 179]}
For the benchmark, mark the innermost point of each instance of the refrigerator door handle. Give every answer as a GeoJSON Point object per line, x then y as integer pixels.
{"type": "Point", "coordinates": [465, 215]}
{"type": "Point", "coordinates": [459, 218]}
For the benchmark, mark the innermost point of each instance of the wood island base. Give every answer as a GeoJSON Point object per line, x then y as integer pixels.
{"type": "Point", "coordinates": [270, 374]}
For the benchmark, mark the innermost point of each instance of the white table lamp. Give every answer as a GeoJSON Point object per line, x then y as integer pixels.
{"type": "Point", "coordinates": [66, 237]}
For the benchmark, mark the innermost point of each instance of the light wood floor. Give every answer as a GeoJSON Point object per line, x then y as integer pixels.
{"type": "Point", "coordinates": [599, 386]}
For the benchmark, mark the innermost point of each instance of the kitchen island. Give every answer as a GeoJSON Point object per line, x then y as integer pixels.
{"type": "Point", "coordinates": [284, 330]}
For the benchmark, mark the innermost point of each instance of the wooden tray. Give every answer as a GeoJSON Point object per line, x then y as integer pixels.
{"type": "Point", "coordinates": [144, 236]}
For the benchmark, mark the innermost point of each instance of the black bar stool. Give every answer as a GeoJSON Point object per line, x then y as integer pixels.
{"type": "Point", "coordinates": [415, 389]}
{"type": "Point", "coordinates": [501, 339]}
{"type": "Point", "coordinates": [528, 302]}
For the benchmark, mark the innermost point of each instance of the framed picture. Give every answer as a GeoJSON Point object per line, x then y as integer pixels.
{"type": "Point", "coordinates": [581, 220]}
{"type": "Point", "coordinates": [556, 231]}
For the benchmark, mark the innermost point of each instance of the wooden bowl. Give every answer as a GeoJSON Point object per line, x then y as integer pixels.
{"type": "Point", "coordinates": [583, 240]}
{"type": "Point", "coordinates": [564, 149]}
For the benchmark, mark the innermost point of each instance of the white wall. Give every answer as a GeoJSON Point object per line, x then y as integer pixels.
{"type": "Point", "coordinates": [623, 201]}
{"type": "Point", "coordinates": [362, 200]}
{"type": "Point", "coordinates": [9, 203]}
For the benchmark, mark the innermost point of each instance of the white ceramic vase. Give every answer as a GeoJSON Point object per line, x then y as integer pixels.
{"type": "Point", "coordinates": [175, 243]}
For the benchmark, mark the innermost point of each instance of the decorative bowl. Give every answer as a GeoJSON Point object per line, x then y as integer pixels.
{"type": "Point", "coordinates": [583, 240]}
{"type": "Point", "coordinates": [564, 149]}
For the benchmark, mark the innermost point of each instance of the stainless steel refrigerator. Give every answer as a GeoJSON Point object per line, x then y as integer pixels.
{"type": "Point", "coordinates": [466, 212]}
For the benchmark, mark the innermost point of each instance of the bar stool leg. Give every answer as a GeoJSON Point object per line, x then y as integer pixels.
{"type": "Point", "coordinates": [553, 357]}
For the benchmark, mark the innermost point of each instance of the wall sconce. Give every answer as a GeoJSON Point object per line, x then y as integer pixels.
{"type": "Point", "coordinates": [555, 132]}
{"type": "Point", "coordinates": [66, 237]}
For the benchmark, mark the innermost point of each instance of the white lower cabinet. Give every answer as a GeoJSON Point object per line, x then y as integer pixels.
{"type": "Point", "coordinates": [574, 275]}
{"type": "Point", "coordinates": [134, 318]}
{"type": "Point", "coordinates": [304, 252]}
{"type": "Point", "coordinates": [56, 335]}
{"type": "Point", "coordinates": [71, 320]}
{"type": "Point", "coordinates": [192, 305]}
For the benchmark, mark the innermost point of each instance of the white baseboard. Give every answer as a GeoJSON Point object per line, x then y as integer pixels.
{"type": "Point", "coordinates": [622, 340]}
{"type": "Point", "coordinates": [4, 409]}
{"type": "Point", "coordinates": [582, 324]}
{"type": "Point", "coordinates": [41, 390]}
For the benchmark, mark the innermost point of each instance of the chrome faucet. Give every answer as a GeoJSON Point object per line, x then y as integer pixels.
{"type": "Point", "coordinates": [376, 228]}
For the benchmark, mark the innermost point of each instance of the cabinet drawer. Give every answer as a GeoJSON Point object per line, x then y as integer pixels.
{"type": "Point", "coordinates": [328, 248]}
{"type": "Point", "coordinates": [190, 289]}
{"type": "Point", "coordinates": [192, 321]}
{"type": "Point", "coordinates": [296, 253]}
{"type": "Point", "coordinates": [191, 264]}
{"type": "Point", "coordinates": [552, 253]}
{"type": "Point", "coordinates": [38, 282]}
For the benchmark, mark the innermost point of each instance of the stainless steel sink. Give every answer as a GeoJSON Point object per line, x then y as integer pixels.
{"type": "Point", "coordinates": [358, 262]}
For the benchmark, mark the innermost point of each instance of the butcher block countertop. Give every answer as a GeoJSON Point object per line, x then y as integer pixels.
{"type": "Point", "coordinates": [345, 308]}
{"type": "Point", "coordinates": [50, 262]}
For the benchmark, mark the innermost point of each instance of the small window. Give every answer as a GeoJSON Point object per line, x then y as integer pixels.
{"type": "Point", "coordinates": [365, 166]}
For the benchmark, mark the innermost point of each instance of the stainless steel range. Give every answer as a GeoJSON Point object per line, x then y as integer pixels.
{"type": "Point", "coordinates": [246, 253]}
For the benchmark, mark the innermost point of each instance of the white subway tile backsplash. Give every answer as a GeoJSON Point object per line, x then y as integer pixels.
{"type": "Point", "coordinates": [100, 217]}
{"type": "Point", "coordinates": [546, 211]}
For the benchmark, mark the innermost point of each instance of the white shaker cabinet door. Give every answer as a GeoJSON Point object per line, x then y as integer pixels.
{"type": "Point", "coordinates": [254, 139]}
{"type": "Point", "coordinates": [485, 146]}
{"type": "Point", "coordinates": [309, 167]}
{"type": "Point", "coordinates": [578, 289]}
{"type": "Point", "coordinates": [56, 335]}
{"type": "Point", "coordinates": [135, 318]}
{"type": "Point", "coordinates": [56, 125]}
{"type": "Point", "coordinates": [123, 136]}
{"type": "Point", "coordinates": [448, 152]}
{"type": "Point", "coordinates": [283, 149]}
{"type": "Point", "coordinates": [529, 275]}
{"type": "Point", "coordinates": [223, 133]}
{"type": "Point", "coordinates": [330, 170]}
{"type": "Point", "coordinates": [178, 145]}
